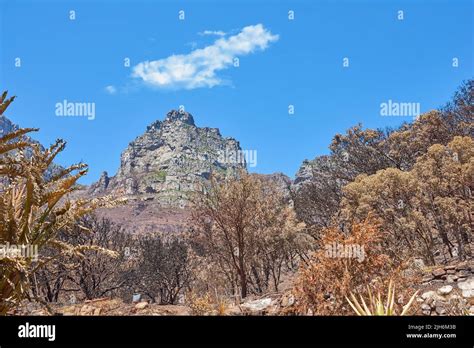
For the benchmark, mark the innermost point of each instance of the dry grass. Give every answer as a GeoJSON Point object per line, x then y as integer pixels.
{"type": "Point", "coordinates": [200, 305]}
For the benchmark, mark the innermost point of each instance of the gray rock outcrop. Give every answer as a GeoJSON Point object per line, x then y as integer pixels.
{"type": "Point", "coordinates": [172, 158]}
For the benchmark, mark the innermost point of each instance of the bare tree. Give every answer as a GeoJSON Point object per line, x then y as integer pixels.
{"type": "Point", "coordinates": [95, 274]}
{"type": "Point", "coordinates": [240, 223]}
{"type": "Point", "coordinates": [162, 268]}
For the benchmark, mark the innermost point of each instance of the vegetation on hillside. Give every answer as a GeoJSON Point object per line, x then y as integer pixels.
{"type": "Point", "coordinates": [378, 201]}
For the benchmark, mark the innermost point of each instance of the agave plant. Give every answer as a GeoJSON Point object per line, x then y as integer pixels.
{"type": "Point", "coordinates": [376, 305]}
{"type": "Point", "coordinates": [34, 208]}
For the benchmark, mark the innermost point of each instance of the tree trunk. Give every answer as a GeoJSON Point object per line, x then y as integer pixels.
{"type": "Point", "coordinates": [243, 285]}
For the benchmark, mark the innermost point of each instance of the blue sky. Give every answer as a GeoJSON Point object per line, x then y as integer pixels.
{"type": "Point", "coordinates": [288, 62]}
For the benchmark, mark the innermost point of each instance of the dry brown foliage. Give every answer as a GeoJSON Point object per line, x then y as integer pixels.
{"type": "Point", "coordinates": [423, 209]}
{"type": "Point", "coordinates": [200, 305]}
{"type": "Point", "coordinates": [323, 284]}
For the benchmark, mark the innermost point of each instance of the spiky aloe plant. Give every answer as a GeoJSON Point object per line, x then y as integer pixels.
{"type": "Point", "coordinates": [376, 305]}
{"type": "Point", "coordinates": [34, 208]}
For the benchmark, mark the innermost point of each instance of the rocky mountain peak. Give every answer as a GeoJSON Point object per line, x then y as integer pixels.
{"type": "Point", "coordinates": [179, 116]}
{"type": "Point", "coordinates": [171, 159]}
{"type": "Point", "coordinates": [101, 185]}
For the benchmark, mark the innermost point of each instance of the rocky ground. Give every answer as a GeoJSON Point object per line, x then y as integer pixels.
{"type": "Point", "coordinates": [446, 290]}
{"type": "Point", "coordinates": [116, 307]}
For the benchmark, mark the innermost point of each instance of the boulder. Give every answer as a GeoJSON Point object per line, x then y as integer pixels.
{"type": "Point", "coordinates": [287, 300]}
{"type": "Point", "coordinates": [469, 294]}
{"type": "Point", "coordinates": [419, 263]}
{"type": "Point", "coordinates": [428, 295]}
{"type": "Point", "coordinates": [425, 309]}
{"type": "Point", "coordinates": [440, 308]}
{"type": "Point", "coordinates": [438, 273]}
{"type": "Point", "coordinates": [462, 266]}
{"type": "Point", "coordinates": [445, 290]}
{"type": "Point", "coordinates": [257, 305]}
{"type": "Point", "coordinates": [87, 310]}
{"type": "Point", "coordinates": [141, 305]}
{"type": "Point", "coordinates": [427, 279]}
{"type": "Point", "coordinates": [451, 278]}
{"type": "Point", "coordinates": [467, 284]}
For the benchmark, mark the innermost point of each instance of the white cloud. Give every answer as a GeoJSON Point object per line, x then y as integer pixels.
{"type": "Point", "coordinates": [111, 89]}
{"type": "Point", "coordinates": [199, 67]}
{"type": "Point", "coordinates": [212, 32]}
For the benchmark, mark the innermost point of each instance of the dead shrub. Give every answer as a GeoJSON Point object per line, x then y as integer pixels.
{"type": "Point", "coordinates": [323, 284]}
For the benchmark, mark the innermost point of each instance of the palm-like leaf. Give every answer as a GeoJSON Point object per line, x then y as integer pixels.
{"type": "Point", "coordinates": [376, 305]}
{"type": "Point", "coordinates": [34, 207]}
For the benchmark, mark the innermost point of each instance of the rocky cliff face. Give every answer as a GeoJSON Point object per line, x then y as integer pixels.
{"type": "Point", "coordinates": [7, 126]}
{"type": "Point", "coordinates": [304, 173]}
{"type": "Point", "coordinates": [170, 160]}
{"type": "Point", "coordinates": [312, 171]}
{"type": "Point", "coordinates": [281, 181]}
